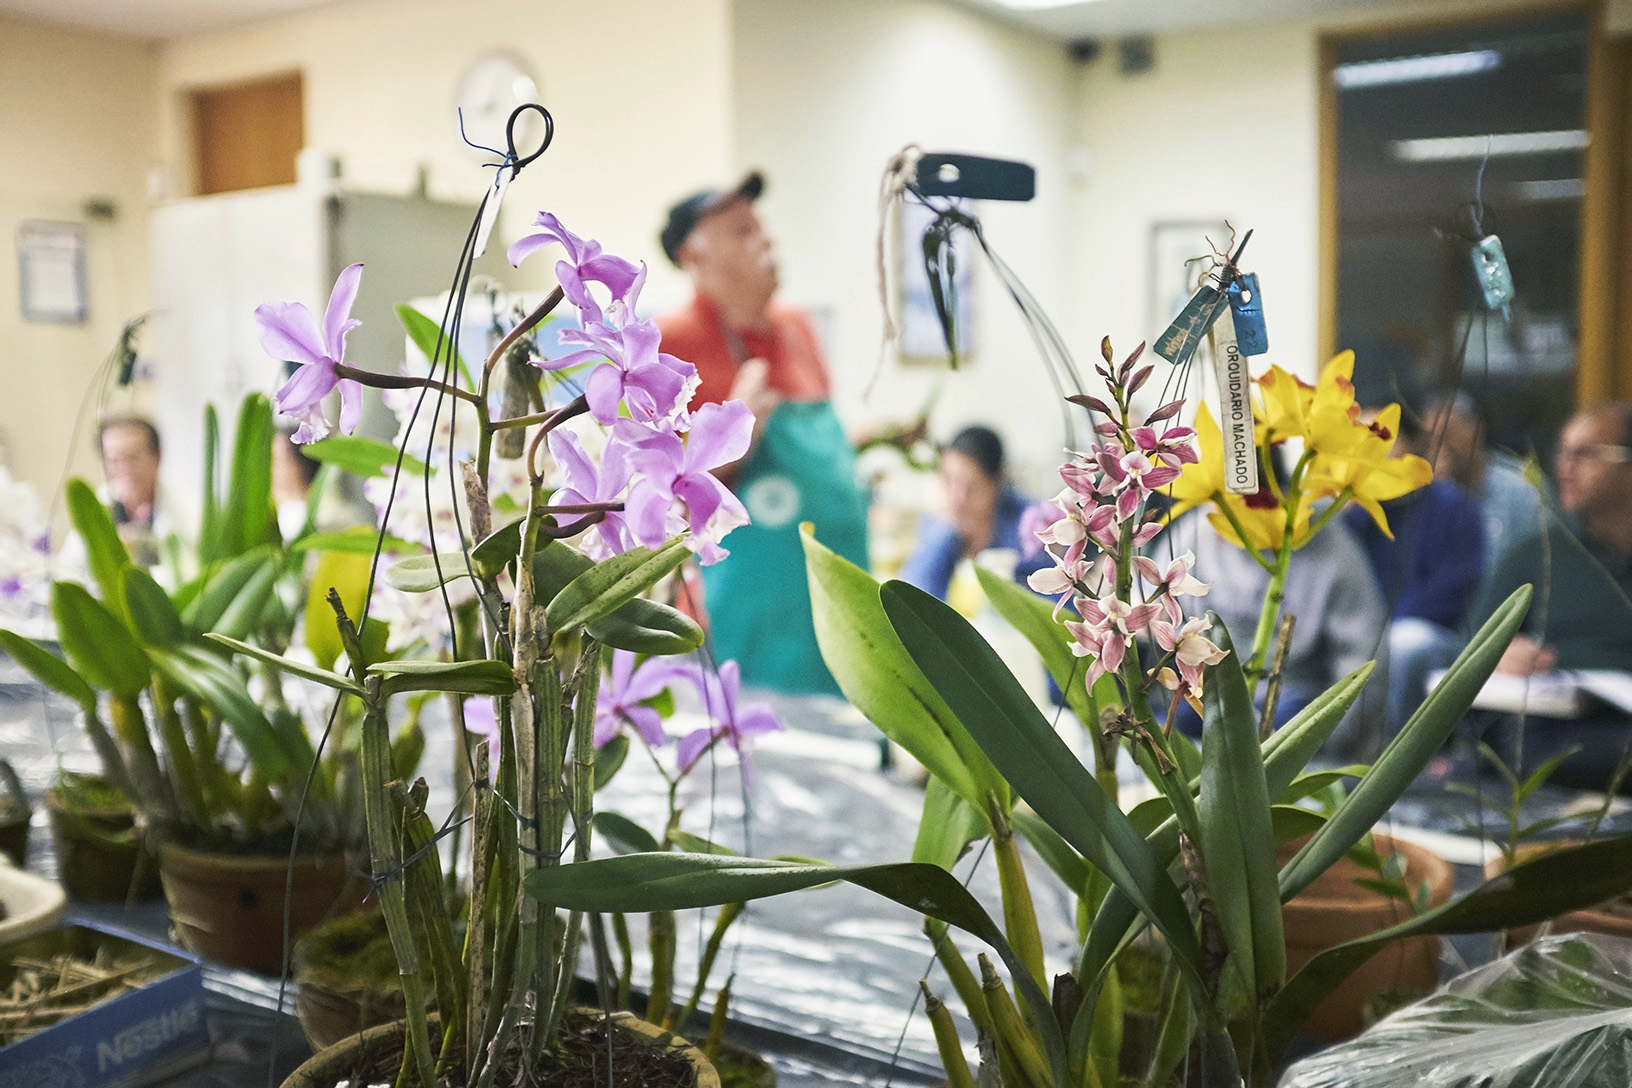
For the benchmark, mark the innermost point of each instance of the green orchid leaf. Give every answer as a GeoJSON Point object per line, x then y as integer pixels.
{"type": "Point", "coordinates": [696, 844]}
{"type": "Point", "coordinates": [1023, 746]}
{"type": "Point", "coordinates": [947, 826]}
{"type": "Point", "coordinates": [156, 620]}
{"type": "Point", "coordinates": [294, 668]}
{"type": "Point", "coordinates": [424, 573]}
{"type": "Point", "coordinates": [104, 551]}
{"type": "Point", "coordinates": [1290, 748]}
{"type": "Point", "coordinates": [610, 584]}
{"type": "Point", "coordinates": [366, 457]}
{"type": "Point", "coordinates": [460, 677]}
{"type": "Point", "coordinates": [609, 759]}
{"type": "Point", "coordinates": [640, 626]}
{"type": "Point", "coordinates": [222, 587]}
{"type": "Point", "coordinates": [876, 673]}
{"type": "Point", "coordinates": [1056, 853]}
{"type": "Point", "coordinates": [427, 337]}
{"type": "Point", "coordinates": [1546, 886]}
{"type": "Point", "coordinates": [209, 529]}
{"type": "Point", "coordinates": [1033, 617]}
{"type": "Point", "coordinates": [1307, 785]}
{"type": "Point", "coordinates": [500, 549]}
{"type": "Point", "coordinates": [276, 754]}
{"type": "Point", "coordinates": [624, 835]}
{"type": "Point", "coordinates": [359, 541]}
{"type": "Point", "coordinates": [347, 574]}
{"type": "Point", "coordinates": [249, 518]}
{"type": "Point", "coordinates": [1293, 822]}
{"type": "Point", "coordinates": [1237, 838]}
{"type": "Point", "coordinates": [254, 598]}
{"type": "Point", "coordinates": [638, 883]}
{"type": "Point", "coordinates": [98, 645]}
{"type": "Point", "coordinates": [49, 669]}
{"type": "Point", "coordinates": [1417, 742]}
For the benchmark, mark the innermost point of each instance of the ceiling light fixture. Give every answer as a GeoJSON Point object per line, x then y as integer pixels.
{"type": "Point", "coordinates": [1550, 189]}
{"type": "Point", "coordinates": [1377, 73]}
{"type": "Point", "coordinates": [1447, 148]}
{"type": "Point", "coordinates": [1038, 5]}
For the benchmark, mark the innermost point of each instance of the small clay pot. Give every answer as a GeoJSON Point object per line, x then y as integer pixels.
{"type": "Point", "coordinates": [100, 857]}
{"type": "Point", "coordinates": [1335, 909]}
{"type": "Point", "coordinates": [379, 1050]}
{"type": "Point", "coordinates": [229, 908]}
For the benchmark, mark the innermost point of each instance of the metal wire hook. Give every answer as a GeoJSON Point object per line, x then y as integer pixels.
{"type": "Point", "coordinates": [517, 160]}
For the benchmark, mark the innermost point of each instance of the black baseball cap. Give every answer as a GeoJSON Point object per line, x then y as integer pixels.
{"type": "Point", "coordinates": [684, 216]}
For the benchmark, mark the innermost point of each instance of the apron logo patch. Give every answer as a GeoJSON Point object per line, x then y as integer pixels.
{"type": "Point", "coordinates": [772, 501]}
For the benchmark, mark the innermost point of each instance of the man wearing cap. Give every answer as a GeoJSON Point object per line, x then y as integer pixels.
{"type": "Point", "coordinates": [800, 467]}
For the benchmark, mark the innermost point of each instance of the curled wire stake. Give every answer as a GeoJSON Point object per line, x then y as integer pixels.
{"type": "Point", "coordinates": [510, 136]}
{"type": "Point", "coordinates": [479, 147]}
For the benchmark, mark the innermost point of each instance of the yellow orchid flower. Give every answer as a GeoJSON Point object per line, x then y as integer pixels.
{"type": "Point", "coordinates": [1201, 483]}
{"type": "Point", "coordinates": [1359, 461]}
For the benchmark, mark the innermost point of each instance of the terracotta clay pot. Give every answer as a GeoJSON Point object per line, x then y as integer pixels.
{"type": "Point", "coordinates": [379, 1051]}
{"type": "Point", "coordinates": [99, 856]}
{"type": "Point", "coordinates": [228, 908]}
{"type": "Point", "coordinates": [1335, 909]}
{"type": "Point", "coordinates": [1613, 917]}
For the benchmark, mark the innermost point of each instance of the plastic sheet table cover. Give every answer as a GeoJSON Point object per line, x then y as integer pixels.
{"type": "Point", "coordinates": [1556, 1013]}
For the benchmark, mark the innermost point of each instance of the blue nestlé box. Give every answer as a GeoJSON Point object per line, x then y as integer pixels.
{"type": "Point", "coordinates": [134, 1039]}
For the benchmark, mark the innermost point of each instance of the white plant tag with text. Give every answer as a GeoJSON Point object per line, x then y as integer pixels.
{"type": "Point", "coordinates": [1235, 409]}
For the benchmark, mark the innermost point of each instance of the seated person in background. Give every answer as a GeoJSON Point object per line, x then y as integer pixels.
{"type": "Point", "coordinates": [1581, 616]}
{"type": "Point", "coordinates": [982, 510]}
{"type": "Point", "coordinates": [129, 449]}
{"type": "Point", "coordinates": [1339, 625]}
{"type": "Point", "coordinates": [1428, 575]}
{"type": "Point", "coordinates": [1453, 440]}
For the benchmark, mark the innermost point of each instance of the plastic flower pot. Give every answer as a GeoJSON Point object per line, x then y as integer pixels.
{"type": "Point", "coordinates": [100, 856]}
{"type": "Point", "coordinates": [374, 1055]}
{"type": "Point", "coordinates": [1335, 908]}
{"type": "Point", "coordinates": [229, 908]}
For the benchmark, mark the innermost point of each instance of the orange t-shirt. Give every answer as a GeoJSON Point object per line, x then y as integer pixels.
{"type": "Point", "coordinates": [788, 344]}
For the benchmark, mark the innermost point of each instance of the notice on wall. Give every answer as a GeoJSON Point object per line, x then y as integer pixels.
{"type": "Point", "coordinates": [1235, 408]}
{"type": "Point", "coordinates": [51, 272]}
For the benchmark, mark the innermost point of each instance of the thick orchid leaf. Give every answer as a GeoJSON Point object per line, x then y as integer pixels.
{"type": "Point", "coordinates": [651, 882]}
{"type": "Point", "coordinates": [294, 668]}
{"type": "Point", "coordinates": [1020, 742]}
{"type": "Point", "coordinates": [276, 754]}
{"type": "Point", "coordinates": [1307, 785]}
{"type": "Point", "coordinates": [360, 456]}
{"type": "Point", "coordinates": [254, 599]}
{"type": "Point", "coordinates": [221, 589]}
{"type": "Point", "coordinates": [500, 549]}
{"type": "Point", "coordinates": [484, 677]}
{"type": "Point", "coordinates": [1056, 853]}
{"type": "Point", "coordinates": [359, 541]}
{"type": "Point", "coordinates": [947, 826]}
{"type": "Point", "coordinates": [1546, 886]}
{"type": "Point", "coordinates": [104, 551]}
{"type": "Point", "coordinates": [696, 844]}
{"type": "Point", "coordinates": [49, 669]}
{"type": "Point", "coordinates": [155, 619]}
{"type": "Point", "coordinates": [640, 626]}
{"type": "Point", "coordinates": [876, 673]}
{"type": "Point", "coordinates": [609, 759]}
{"type": "Point", "coordinates": [1417, 742]}
{"type": "Point", "coordinates": [428, 338]}
{"type": "Point", "coordinates": [610, 584]}
{"type": "Point", "coordinates": [1290, 748]}
{"type": "Point", "coordinates": [348, 575]}
{"type": "Point", "coordinates": [209, 528]}
{"type": "Point", "coordinates": [248, 518]}
{"type": "Point", "coordinates": [424, 573]}
{"type": "Point", "coordinates": [624, 835]}
{"type": "Point", "coordinates": [1237, 838]}
{"type": "Point", "coordinates": [98, 645]}
{"type": "Point", "coordinates": [1033, 617]}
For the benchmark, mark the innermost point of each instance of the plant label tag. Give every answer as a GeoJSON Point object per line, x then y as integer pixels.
{"type": "Point", "coordinates": [1490, 269]}
{"type": "Point", "coordinates": [1235, 408]}
{"type": "Point", "coordinates": [1181, 339]}
{"type": "Point", "coordinates": [490, 209]}
{"type": "Point", "coordinates": [1247, 311]}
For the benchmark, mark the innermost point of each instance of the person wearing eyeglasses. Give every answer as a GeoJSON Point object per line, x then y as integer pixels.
{"type": "Point", "coordinates": [1581, 566]}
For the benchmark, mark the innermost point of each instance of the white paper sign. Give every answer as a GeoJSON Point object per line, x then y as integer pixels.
{"type": "Point", "coordinates": [1235, 409]}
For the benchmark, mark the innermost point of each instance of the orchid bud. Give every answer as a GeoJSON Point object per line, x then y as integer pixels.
{"type": "Point", "coordinates": [1166, 411]}
{"type": "Point", "coordinates": [1105, 348]}
{"type": "Point", "coordinates": [1139, 379]}
{"type": "Point", "coordinates": [1092, 403]}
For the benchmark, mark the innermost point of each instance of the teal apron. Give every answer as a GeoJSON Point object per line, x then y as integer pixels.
{"type": "Point", "coordinates": [802, 469]}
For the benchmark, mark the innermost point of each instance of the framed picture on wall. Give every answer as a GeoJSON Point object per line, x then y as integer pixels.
{"type": "Point", "coordinates": [922, 338]}
{"type": "Point", "coordinates": [1174, 273]}
{"type": "Point", "coordinates": [51, 272]}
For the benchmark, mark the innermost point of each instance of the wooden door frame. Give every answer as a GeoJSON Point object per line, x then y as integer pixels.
{"type": "Point", "coordinates": [1604, 295]}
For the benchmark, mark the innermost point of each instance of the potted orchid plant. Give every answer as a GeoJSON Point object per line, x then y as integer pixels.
{"type": "Point", "coordinates": [541, 565]}
{"type": "Point", "coordinates": [1196, 864]}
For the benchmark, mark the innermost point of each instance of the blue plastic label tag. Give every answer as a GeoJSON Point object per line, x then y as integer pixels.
{"type": "Point", "coordinates": [1490, 269]}
{"type": "Point", "coordinates": [1247, 310]}
{"type": "Point", "coordinates": [1181, 339]}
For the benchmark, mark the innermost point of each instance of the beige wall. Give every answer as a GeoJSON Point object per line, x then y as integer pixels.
{"type": "Point", "coordinates": [380, 79]}
{"type": "Point", "coordinates": [76, 114]}
{"type": "Point", "coordinates": [827, 91]}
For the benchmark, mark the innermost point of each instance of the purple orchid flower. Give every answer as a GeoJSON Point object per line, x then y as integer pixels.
{"type": "Point", "coordinates": [736, 724]}
{"type": "Point", "coordinates": [623, 692]}
{"type": "Point", "coordinates": [652, 384]}
{"type": "Point", "coordinates": [588, 483]}
{"type": "Point", "coordinates": [585, 264]}
{"type": "Point", "coordinates": [289, 332]}
{"type": "Point", "coordinates": [482, 721]}
{"type": "Point", "coordinates": [667, 469]}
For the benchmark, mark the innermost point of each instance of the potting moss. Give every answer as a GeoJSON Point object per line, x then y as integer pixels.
{"type": "Point", "coordinates": [349, 953]}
